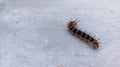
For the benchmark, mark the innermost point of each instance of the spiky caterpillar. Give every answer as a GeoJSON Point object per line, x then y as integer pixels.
{"type": "Point", "coordinates": [82, 35]}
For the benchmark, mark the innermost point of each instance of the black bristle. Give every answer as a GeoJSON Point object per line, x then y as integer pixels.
{"type": "Point", "coordinates": [87, 37]}
{"type": "Point", "coordinates": [79, 32]}
{"type": "Point", "coordinates": [92, 39]}
{"type": "Point", "coordinates": [83, 34]}
{"type": "Point", "coordinates": [75, 30]}
{"type": "Point", "coordinates": [71, 28]}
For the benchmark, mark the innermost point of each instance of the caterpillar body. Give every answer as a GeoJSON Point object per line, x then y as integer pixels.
{"type": "Point", "coordinates": [82, 35]}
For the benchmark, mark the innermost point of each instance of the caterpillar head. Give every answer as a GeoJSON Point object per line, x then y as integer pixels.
{"type": "Point", "coordinates": [73, 23]}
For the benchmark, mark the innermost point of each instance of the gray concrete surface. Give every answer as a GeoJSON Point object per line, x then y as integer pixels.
{"type": "Point", "coordinates": [33, 33]}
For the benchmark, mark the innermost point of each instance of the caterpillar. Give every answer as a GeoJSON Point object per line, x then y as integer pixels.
{"type": "Point", "coordinates": [82, 34]}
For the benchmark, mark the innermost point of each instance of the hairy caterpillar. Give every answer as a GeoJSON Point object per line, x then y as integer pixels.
{"type": "Point", "coordinates": [82, 35]}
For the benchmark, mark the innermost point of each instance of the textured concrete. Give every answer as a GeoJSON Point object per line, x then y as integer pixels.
{"type": "Point", "coordinates": [33, 33]}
